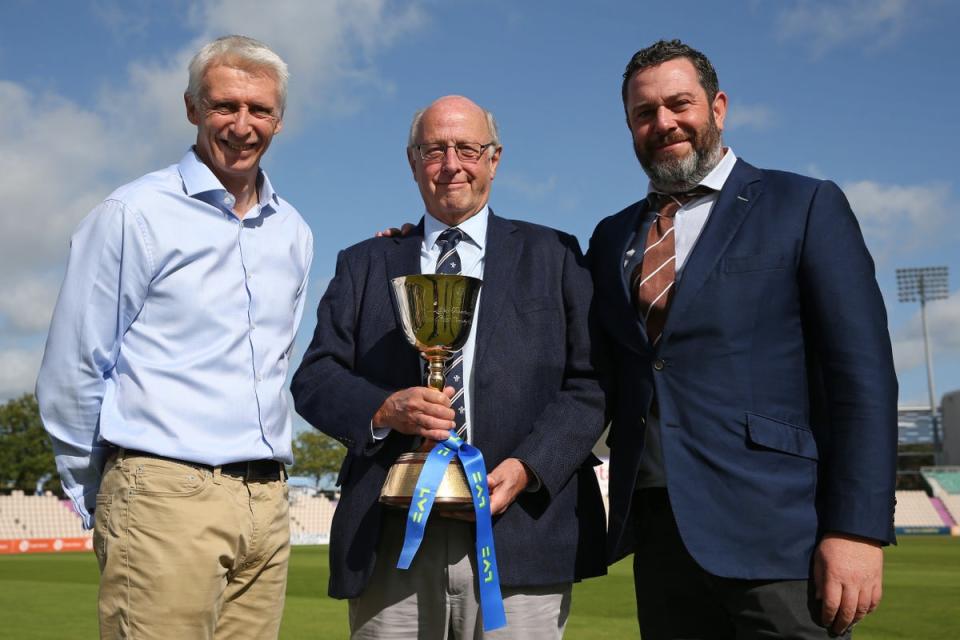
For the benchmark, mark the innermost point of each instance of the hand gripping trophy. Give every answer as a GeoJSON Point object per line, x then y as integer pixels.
{"type": "Point", "coordinates": [436, 313]}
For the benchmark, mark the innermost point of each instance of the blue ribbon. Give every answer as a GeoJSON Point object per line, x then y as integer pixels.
{"type": "Point", "coordinates": [488, 578]}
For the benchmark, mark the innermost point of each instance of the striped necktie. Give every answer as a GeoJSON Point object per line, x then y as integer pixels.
{"type": "Point", "coordinates": [449, 263]}
{"type": "Point", "coordinates": [652, 281]}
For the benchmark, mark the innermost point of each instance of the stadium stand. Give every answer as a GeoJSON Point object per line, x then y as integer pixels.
{"type": "Point", "coordinates": [30, 517]}
{"type": "Point", "coordinates": [945, 483]}
{"type": "Point", "coordinates": [310, 518]}
{"type": "Point", "coordinates": [914, 509]}
{"type": "Point", "coordinates": [47, 516]}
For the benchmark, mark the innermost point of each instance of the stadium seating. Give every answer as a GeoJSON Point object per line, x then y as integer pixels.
{"type": "Point", "coordinates": [310, 518]}
{"type": "Point", "coordinates": [945, 482]}
{"type": "Point", "coordinates": [47, 516]}
{"type": "Point", "coordinates": [948, 479]}
{"type": "Point", "coordinates": [29, 517]}
{"type": "Point", "coordinates": [914, 509]}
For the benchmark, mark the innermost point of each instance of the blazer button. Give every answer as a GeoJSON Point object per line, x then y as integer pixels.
{"type": "Point", "coordinates": [658, 364]}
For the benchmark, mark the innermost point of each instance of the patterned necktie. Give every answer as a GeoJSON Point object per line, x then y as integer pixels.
{"type": "Point", "coordinates": [653, 278]}
{"type": "Point", "coordinates": [449, 262]}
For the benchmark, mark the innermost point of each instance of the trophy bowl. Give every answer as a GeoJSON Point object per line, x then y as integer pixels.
{"type": "Point", "coordinates": [436, 313]}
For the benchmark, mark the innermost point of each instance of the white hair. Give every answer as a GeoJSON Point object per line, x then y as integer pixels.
{"type": "Point", "coordinates": [240, 52]}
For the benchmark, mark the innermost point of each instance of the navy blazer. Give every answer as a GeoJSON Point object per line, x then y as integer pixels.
{"type": "Point", "coordinates": [774, 379]}
{"type": "Point", "coordinates": [536, 397]}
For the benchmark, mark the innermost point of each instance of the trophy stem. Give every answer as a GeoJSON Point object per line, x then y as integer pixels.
{"type": "Point", "coordinates": [435, 378]}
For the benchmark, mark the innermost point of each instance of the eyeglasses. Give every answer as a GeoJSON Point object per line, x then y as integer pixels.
{"type": "Point", "coordinates": [466, 151]}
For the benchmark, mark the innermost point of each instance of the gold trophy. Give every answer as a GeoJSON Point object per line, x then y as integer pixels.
{"type": "Point", "coordinates": [436, 313]}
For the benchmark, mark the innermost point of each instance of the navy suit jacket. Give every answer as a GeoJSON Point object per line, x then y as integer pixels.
{"type": "Point", "coordinates": [536, 397]}
{"type": "Point", "coordinates": [774, 379]}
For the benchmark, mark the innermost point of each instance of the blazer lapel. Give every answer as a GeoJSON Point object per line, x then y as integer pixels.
{"type": "Point", "coordinates": [737, 197]}
{"type": "Point", "coordinates": [623, 316]}
{"type": "Point", "coordinates": [403, 253]}
{"type": "Point", "coordinates": [501, 255]}
{"type": "Point", "coordinates": [402, 258]}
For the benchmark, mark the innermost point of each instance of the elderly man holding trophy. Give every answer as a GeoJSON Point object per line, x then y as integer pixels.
{"type": "Point", "coordinates": [454, 363]}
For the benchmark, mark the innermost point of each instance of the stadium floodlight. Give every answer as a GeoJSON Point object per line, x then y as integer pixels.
{"type": "Point", "coordinates": [923, 284]}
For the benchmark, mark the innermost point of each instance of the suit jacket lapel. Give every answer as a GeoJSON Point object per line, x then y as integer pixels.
{"type": "Point", "coordinates": [403, 253]}
{"type": "Point", "coordinates": [501, 255]}
{"type": "Point", "coordinates": [737, 197]}
{"type": "Point", "coordinates": [626, 321]}
{"type": "Point", "coordinates": [402, 258]}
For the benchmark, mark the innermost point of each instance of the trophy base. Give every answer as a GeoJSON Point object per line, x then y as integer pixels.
{"type": "Point", "coordinates": [453, 494]}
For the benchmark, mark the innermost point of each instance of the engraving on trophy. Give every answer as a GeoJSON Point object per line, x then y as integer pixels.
{"type": "Point", "coordinates": [436, 313]}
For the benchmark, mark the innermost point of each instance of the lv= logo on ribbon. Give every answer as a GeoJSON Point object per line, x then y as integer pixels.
{"type": "Point", "coordinates": [491, 600]}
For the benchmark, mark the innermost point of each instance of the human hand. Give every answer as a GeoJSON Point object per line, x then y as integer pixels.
{"type": "Point", "coordinates": [848, 575]}
{"type": "Point", "coordinates": [418, 411]}
{"type": "Point", "coordinates": [505, 483]}
{"type": "Point", "coordinates": [393, 232]}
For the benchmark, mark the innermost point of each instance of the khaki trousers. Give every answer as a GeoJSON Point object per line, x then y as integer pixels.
{"type": "Point", "coordinates": [437, 597]}
{"type": "Point", "coordinates": [186, 552]}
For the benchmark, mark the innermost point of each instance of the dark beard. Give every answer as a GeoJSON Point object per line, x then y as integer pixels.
{"type": "Point", "coordinates": [683, 174]}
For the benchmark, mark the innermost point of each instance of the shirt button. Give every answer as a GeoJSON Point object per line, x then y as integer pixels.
{"type": "Point", "coordinates": [658, 364]}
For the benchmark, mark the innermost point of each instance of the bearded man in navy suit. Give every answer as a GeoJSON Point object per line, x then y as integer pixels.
{"type": "Point", "coordinates": [534, 405]}
{"type": "Point", "coordinates": [752, 391]}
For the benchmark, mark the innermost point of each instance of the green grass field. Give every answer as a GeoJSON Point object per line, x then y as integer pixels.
{"type": "Point", "coordinates": [50, 596]}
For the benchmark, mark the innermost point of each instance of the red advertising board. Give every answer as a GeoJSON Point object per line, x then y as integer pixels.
{"type": "Point", "coordinates": [45, 545]}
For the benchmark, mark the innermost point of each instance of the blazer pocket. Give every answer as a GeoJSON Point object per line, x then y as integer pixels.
{"type": "Point", "coordinates": [529, 305]}
{"type": "Point", "coordinates": [760, 262]}
{"type": "Point", "coordinates": [781, 436]}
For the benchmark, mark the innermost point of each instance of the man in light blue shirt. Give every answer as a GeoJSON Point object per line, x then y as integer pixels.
{"type": "Point", "coordinates": [162, 384]}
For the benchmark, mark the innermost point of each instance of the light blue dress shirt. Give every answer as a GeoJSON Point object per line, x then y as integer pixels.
{"type": "Point", "coordinates": [174, 326]}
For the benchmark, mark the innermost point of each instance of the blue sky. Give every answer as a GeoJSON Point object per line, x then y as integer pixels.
{"type": "Point", "coordinates": [862, 92]}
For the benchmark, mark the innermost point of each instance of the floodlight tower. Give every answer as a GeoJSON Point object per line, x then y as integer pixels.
{"type": "Point", "coordinates": [924, 284]}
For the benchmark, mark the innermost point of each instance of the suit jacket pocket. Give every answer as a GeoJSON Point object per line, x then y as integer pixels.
{"type": "Point", "coordinates": [759, 262]}
{"type": "Point", "coordinates": [781, 436]}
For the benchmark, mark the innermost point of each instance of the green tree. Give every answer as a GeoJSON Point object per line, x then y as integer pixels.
{"type": "Point", "coordinates": [316, 454]}
{"type": "Point", "coordinates": [26, 455]}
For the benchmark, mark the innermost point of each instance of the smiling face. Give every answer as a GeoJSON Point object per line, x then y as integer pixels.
{"type": "Point", "coordinates": [236, 118]}
{"type": "Point", "coordinates": [454, 190]}
{"type": "Point", "coordinates": [676, 128]}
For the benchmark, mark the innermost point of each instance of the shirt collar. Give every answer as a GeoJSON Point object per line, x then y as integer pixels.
{"type": "Point", "coordinates": [474, 228]}
{"type": "Point", "coordinates": [717, 176]}
{"type": "Point", "coordinates": [197, 178]}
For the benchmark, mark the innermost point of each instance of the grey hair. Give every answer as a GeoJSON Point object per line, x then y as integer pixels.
{"type": "Point", "coordinates": [240, 52]}
{"type": "Point", "coordinates": [491, 125]}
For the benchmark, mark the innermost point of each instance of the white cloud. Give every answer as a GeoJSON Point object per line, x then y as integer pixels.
{"type": "Point", "coordinates": [329, 46]}
{"type": "Point", "coordinates": [18, 371]}
{"type": "Point", "coordinates": [943, 318]}
{"type": "Point", "coordinates": [60, 157]}
{"type": "Point", "coordinates": [898, 219]}
{"type": "Point", "coordinates": [827, 25]}
{"type": "Point", "coordinates": [750, 116]}
{"type": "Point", "coordinates": [529, 188]}
{"type": "Point", "coordinates": [27, 303]}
